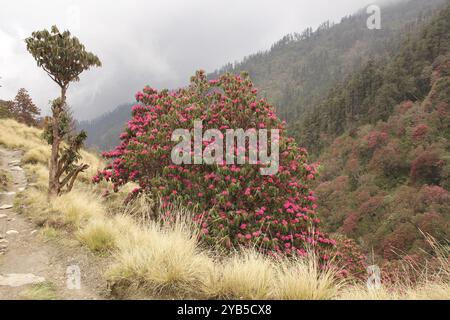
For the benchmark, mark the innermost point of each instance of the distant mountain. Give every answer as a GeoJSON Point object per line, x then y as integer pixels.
{"type": "Point", "coordinates": [298, 72]}
{"type": "Point", "coordinates": [103, 132]}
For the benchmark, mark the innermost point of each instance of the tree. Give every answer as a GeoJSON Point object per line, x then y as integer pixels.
{"type": "Point", "coordinates": [6, 109]}
{"type": "Point", "coordinates": [63, 57]}
{"type": "Point", "coordinates": [236, 204]}
{"type": "Point", "coordinates": [24, 109]}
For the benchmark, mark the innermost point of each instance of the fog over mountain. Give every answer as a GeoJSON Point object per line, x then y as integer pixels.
{"type": "Point", "coordinates": [160, 43]}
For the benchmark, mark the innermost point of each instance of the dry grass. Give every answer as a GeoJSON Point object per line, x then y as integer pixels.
{"type": "Point", "coordinates": [247, 275]}
{"type": "Point", "coordinates": [19, 136]}
{"type": "Point", "coordinates": [432, 283]}
{"type": "Point", "coordinates": [41, 291]}
{"type": "Point", "coordinates": [70, 211]}
{"type": "Point", "coordinates": [77, 208]}
{"type": "Point", "coordinates": [39, 154]}
{"type": "Point", "coordinates": [304, 280]}
{"type": "Point", "coordinates": [99, 236]}
{"type": "Point", "coordinates": [160, 259]}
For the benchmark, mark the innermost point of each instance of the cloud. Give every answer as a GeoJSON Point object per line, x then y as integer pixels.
{"type": "Point", "coordinates": [159, 43]}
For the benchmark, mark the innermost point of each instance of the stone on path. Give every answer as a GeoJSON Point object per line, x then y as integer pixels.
{"type": "Point", "coordinates": [2, 215]}
{"type": "Point", "coordinates": [16, 168]}
{"type": "Point", "coordinates": [18, 280]}
{"type": "Point", "coordinates": [6, 206]}
{"type": "Point", "coordinates": [11, 232]}
{"type": "Point", "coordinates": [14, 163]}
{"type": "Point", "coordinates": [7, 193]}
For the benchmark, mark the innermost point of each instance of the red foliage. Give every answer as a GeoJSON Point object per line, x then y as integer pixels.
{"type": "Point", "coordinates": [376, 139]}
{"type": "Point", "coordinates": [431, 222]}
{"type": "Point", "coordinates": [351, 223]}
{"type": "Point", "coordinates": [400, 240]}
{"type": "Point", "coordinates": [372, 204]}
{"type": "Point", "coordinates": [435, 194]}
{"type": "Point", "coordinates": [426, 167]}
{"type": "Point", "coordinates": [350, 259]}
{"type": "Point", "coordinates": [405, 106]}
{"type": "Point", "coordinates": [420, 132]}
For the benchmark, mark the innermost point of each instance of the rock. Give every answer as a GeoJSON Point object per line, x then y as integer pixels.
{"type": "Point", "coordinates": [18, 280]}
{"type": "Point", "coordinates": [21, 189]}
{"type": "Point", "coordinates": [6, 206]}
{"type": "Point", "coordinates": [3, 241]}
{"type": "Point", "coordinates": [12, 232]}
{"type": "Point", "coordinates": [3, 216]}
{"type": "Point", "coordinates": [33, 232]}
{"type": "Point", "coordinates": [7, 193]}
{"type": "Point", "coordinates": [16, 168]}
{"type": "Point", "coordinates": [14, 163]}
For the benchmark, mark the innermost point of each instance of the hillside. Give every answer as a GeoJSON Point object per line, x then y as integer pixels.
{"type": "Point", "coordinates": [386, 179]}
{"type": "Point", "coordinates": [104, 131]}
{"type": "Point", "coordinates": [370, 94]}
{"type": "Point", "coordinates": [300, 69]}
{"type": "Point", "coordinates": [123, 254]}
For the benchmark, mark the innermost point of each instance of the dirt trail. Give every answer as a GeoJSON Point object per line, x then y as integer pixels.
{"type": "Point", "coordinates": [27, 258]}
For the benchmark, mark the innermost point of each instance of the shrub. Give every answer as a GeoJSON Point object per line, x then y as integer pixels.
{"type": "Point", "coordinates": [426, 168]}
{"type": "Point", "coordinates": [350, 259]}
{"type": "Point", "coordinates": [236, 205]}
{"type": "Point", "coordinates": [420, 132]}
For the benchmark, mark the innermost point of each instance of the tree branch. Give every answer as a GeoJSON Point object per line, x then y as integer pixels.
{"type": "Point", "coordinates": [70, 178]}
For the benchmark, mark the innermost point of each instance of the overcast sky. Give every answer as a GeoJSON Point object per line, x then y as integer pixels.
{"type": "Point", "coordinates": [159, 43]}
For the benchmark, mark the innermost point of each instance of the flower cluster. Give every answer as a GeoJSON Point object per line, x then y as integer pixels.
{"type": "Point", "coordinates": [236, 205]}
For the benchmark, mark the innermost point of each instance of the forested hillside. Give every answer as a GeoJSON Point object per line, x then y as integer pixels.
{"type": "Point", "coordinates": [104, 131]}
{"type": "Point", "coordinates": [298, 72]}
{"type": "Point", "coordinates": [370, 94]}
{"type": "Point", "coordinates": [300, 69]}
{"type": "Point", "coordinates": [388, 179]}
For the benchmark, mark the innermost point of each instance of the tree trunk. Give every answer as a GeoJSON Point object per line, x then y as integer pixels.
{"type": "Point", "coordinates": [54, 187]}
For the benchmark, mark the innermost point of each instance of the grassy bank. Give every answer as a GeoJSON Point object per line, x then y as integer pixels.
{"type": "Point", "coordinates": [155, 259]}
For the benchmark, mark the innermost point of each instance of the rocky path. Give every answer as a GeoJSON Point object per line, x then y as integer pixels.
{"type": "Point", "coordinates": [31, 266]}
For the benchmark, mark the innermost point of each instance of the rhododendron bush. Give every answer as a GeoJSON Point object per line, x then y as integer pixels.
{"type": "Point", "coordinates": [236, 205]}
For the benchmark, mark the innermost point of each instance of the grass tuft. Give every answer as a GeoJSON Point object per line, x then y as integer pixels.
{"type": "Point", "coordinates": [41, 291]}
{"type": "Point", "coordinates": [99, 236]}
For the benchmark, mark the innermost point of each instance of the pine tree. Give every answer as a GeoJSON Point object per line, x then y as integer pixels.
{"type": "Point", "coordinates": [23, 108]}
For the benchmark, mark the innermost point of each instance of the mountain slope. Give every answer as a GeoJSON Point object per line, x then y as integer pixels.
{"type": "Point", "coordinates": [387, 177]}
{"type": "Point", "coordinates": [300, 69]}
{"type": "Point", "coordinates": [370, 94]}
{"type": "Point", "coordinates": [103, 132]}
